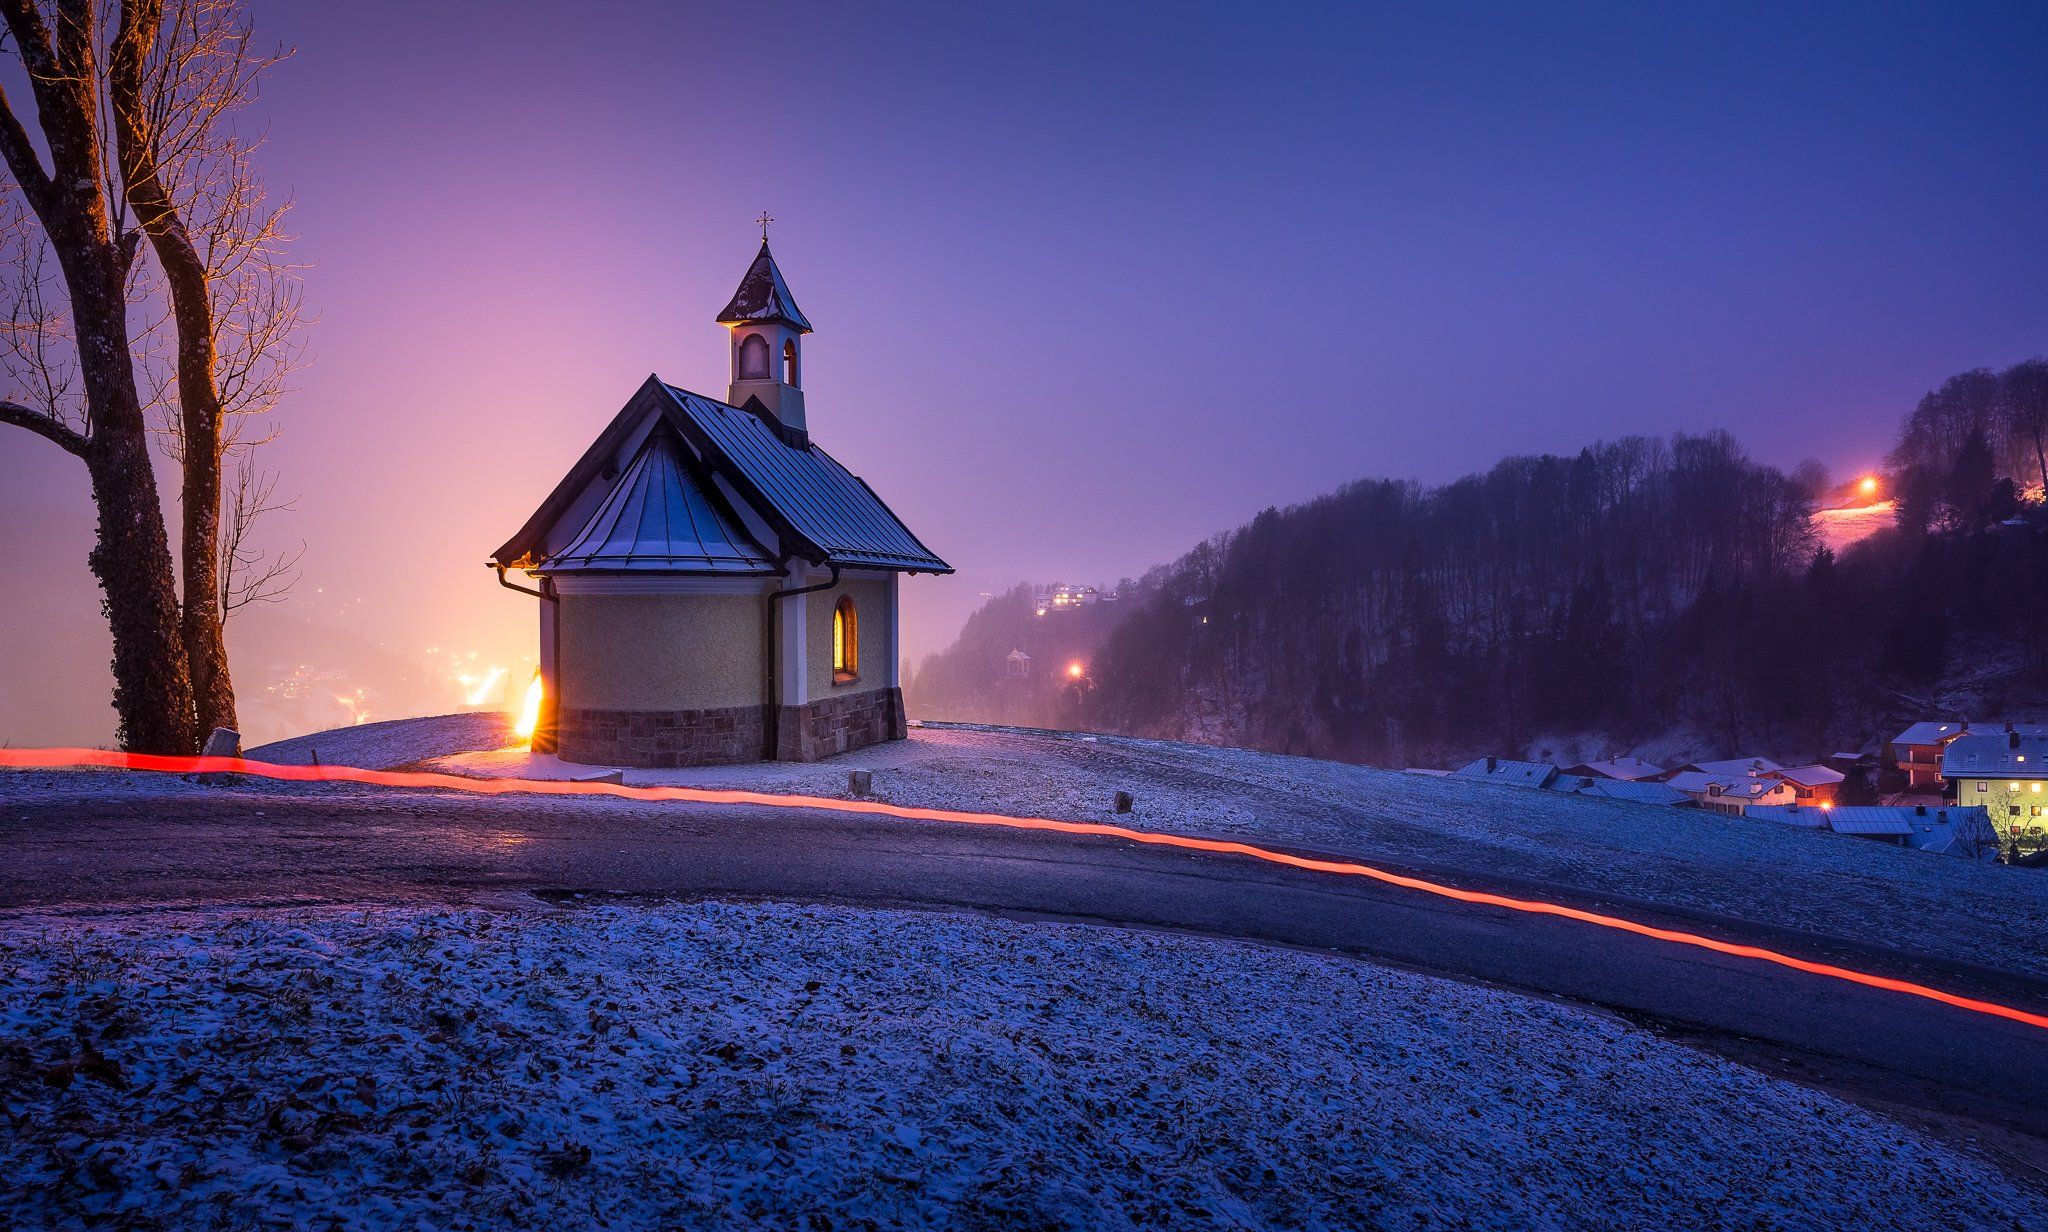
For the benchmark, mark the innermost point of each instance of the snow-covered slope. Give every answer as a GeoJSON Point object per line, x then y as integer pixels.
{"type": "Point", "coordinates": [780, 1067]}
{"type": "Point", "coordinates": [395, 742]}
{"type": "Point", "coordinates": [1686, 858]}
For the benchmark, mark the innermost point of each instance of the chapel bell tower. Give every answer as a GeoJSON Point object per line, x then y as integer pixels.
{"type": "Point", "coordinates": [767, 341]}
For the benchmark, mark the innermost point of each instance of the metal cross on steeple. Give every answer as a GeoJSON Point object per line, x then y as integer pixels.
{"type": "Point", "coordinates": [764, 220]}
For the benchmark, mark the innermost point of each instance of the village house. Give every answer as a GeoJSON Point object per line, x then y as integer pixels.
{"type": "Point", "coordinates": [2006, 772]}
{"type": "Point", "coordinates": [714, 587]}
{"type": "Point", "coordinates": [1811, 785]}
{"type": "Point", "coordinates": [1733, 794]}
{"type": "Point", "coordinates": [1916, 752]}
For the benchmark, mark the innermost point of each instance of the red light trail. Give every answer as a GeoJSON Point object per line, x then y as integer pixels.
{"type": "Point", "coordinates": [57, 759]}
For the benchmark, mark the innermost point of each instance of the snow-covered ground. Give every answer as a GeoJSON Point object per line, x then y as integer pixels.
{"type": "Point", "coordinates": [1687, 858]}
{"type": "Point", "coordinates": [723, 1065]}
{"type": "Point", "coordinates": [1838, 528]}
{"type": "Point", "coordinates": [394, 742]}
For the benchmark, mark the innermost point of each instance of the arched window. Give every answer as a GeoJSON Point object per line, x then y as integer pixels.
{"type": "Point", "coordinates": [789, 363]}
{"type": "Point", "coordinates": [845, 641]}
{"type": "Point", "coordinates": [753, 358]}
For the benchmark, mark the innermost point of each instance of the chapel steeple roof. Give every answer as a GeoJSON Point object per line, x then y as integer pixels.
{"type": "Point", "coordinates": [763, 296]}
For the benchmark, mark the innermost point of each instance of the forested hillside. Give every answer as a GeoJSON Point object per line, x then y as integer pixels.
{"type": "Point", "coordinates": [1613, 596]}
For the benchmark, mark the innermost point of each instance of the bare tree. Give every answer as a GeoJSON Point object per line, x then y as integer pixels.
{"type": "Point", "coordinates": [2025, 398]}
{"type": "Point", "coordinates": [87, 402]}
{"type": "Point", "coordinates": [137, 103]}
{"type": "Point", "coordinates": [177, 77]}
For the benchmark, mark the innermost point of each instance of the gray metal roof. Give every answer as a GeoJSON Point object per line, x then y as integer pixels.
{"type": "Point", "coordinates": [819, 501]}
{"type": "Point", "coordinates": [1790, 814]}
{"type": "Point", "coordinates": [1503, 770]}
{"type": "Point", "coordinates": [764, 296]}
{"type": "Point", "coordinates": [1880, 819]}
{"type": "Point", "coordinates": [1639, 793]}
{"type": "Point", "coordinates": [660, 518]}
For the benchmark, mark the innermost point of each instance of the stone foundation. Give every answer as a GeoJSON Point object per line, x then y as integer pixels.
{"type": "Point", "coordinates": [839, 724]}
{"type": "Point", "coordinates": [670, 739]}
{"type": "Point", "coordinates": [662, 739]}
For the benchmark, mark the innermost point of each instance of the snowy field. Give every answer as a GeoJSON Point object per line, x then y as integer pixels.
{"type": "Point", "coordinates": [1689, 858]}
{"type": "Point", "coordinates": [760, 1066]}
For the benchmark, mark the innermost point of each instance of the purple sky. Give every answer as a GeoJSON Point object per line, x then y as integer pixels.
{"type": "Point", "coordinates": [1091, 285]}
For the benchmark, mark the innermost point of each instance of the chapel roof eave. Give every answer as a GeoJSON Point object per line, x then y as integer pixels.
{"type": "Point", "coordinates": [820, 511]}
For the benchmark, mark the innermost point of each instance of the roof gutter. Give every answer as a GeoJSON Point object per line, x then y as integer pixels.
{"type": "Point", "coordinates": [524, 590]}
{"type": "Point", "coordinates": [827, 584]}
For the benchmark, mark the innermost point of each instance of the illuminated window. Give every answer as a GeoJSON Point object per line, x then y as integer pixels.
{"type": "Point", "coordinates": [1983, 786]}
{"type": "Point", "coordinates": [845, 640]}
{"type": "Point", "coordinates": [753, 358]}
{"type": "Point", "coordinates": [789, 363]}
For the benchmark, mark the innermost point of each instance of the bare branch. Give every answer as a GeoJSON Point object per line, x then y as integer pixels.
{"type": "Point", "coordinates": [44, 426]}
{"type": "Point", "coordinates": [248, 575]}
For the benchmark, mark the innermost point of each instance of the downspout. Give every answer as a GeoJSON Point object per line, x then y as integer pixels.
{"type": "Point", "coordinates": [551, 699]}
{"type": "Point", "coordinates": [774, 724]}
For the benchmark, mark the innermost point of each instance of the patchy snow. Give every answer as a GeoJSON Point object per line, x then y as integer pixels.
{"type": "Point", "coordinates": [722, 1065]}
{"type": "Point", "coordinates": [1687, 858]}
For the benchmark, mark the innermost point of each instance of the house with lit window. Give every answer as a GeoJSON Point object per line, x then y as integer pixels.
{"type": "Point", "coordinates": [1811, 785]}
{"type": "Point", "coordinates": [713, 585]}
{"type": "Point", "coordinates": [2005, 771]}
{"type": "Point", "coordinates": [1916, 751]}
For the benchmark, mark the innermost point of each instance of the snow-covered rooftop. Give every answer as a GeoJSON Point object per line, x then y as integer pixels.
{"type": "Point", "coordinates": [1994, 751]}
{"type": "Point", "coordinates": [1627, 769]}
{"type": "Point", "coordinates": [1810, 776]}
{"type": "Point", "coordinates": [1504, 770]}
{"type": "Point", "coordinates": [1930, 733]}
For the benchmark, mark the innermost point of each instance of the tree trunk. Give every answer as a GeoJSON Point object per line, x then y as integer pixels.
{"type": "Point", "coordinates": [152, 684]}
{"type": "Point", "coordinates": [204, 629]}
{"type": "Point", "coordinates": [132, 560]}
{"type": "Point", "coordinates": [199, 408]}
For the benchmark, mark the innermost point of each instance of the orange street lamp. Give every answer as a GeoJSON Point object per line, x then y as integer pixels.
{"type": "Point", "coordinates": [1076, 670]}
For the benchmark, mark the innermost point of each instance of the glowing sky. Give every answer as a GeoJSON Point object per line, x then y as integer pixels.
{"type": "Point", "coordinates": [1093, 283]}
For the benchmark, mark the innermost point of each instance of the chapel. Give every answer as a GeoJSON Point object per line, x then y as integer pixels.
{"type": "Point", "coordinates": [714, 586]}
